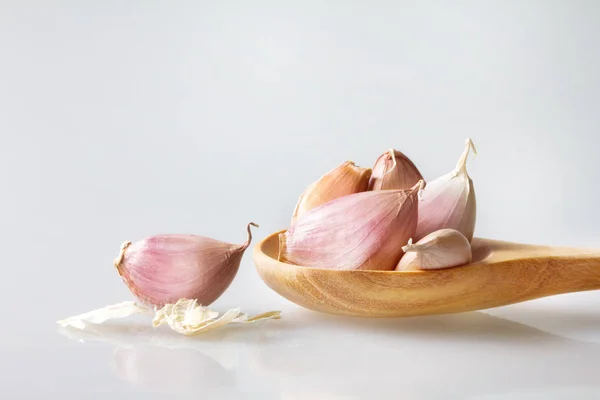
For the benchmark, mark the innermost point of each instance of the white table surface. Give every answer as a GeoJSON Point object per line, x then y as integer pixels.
{"type": "Point", "coordinates": [547, 349]}
{"type": "Point", "coordinates": [119, 120]}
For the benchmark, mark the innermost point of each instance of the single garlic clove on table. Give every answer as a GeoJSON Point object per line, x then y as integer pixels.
{"type": "Point", "coordinates": [163, 269]}
{"type": "Point", "coordinates": [449, 201]}
{"type": "Point", "coordinates": [343, 180]}
{"type": "Point", "coordinates": [441, 249]}
{"type": "Point", "coordinates": [359, 231]}
{"type": "Point", "coordinates": [394, 171]}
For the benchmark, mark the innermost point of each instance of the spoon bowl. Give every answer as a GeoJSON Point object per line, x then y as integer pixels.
{"type": "Point", "coordinates": [501, 273]}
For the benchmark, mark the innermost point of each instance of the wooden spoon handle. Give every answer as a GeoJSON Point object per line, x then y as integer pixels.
{"type": "Point", "coordinates": [513, 281]}
{"type": "Point", "coordinates": [535, 271]}
{"type": "Point", "coordinates": [568, 274]}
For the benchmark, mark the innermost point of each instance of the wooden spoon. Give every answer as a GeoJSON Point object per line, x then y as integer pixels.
{"type": "Point", "coordinates": [501, 273]}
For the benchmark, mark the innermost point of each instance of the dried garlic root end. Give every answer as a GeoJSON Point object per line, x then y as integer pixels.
{"type": "Point", "coordinates": [119, 259]}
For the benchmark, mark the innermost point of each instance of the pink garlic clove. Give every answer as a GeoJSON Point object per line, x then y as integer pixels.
{"type": "Point", "coordinates": [394, 171]}
{"type": "Point", "coordinates": [449, 201]}
{"type": "Point", "coordinates": [343, 180]}
{"type": "Point", "coordinates": [360, 231]}
{"type": "Point", "coordinates": [165, 268]}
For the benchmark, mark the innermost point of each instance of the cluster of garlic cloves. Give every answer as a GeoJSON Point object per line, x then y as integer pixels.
{"type": "Point", "coordinates": [338, 225]}
{"type": "Point", "coordinates": [162, 269]}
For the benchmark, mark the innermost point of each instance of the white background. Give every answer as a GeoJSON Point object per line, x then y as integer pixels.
{"type": "Point", "coordinates": [123, 119]}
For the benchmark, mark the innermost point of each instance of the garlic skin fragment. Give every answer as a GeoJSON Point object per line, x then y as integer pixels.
{"type": "Point", "coordinates": [394, 171]}
{"type": "Point", "coordinates": [361, 231]}
{"type": "Point", "coordinates": [343, 180]}
{"type": "Point", "coordinates": [441, 249]}
{"type": "Point", "coordinates": [449, 201]}
{"type": "Point", "coordinates": [165, 268]}
{"type": "Point", "coordinates": [189, 318]}
{"type": "Point", "coordinates": [101, 315]}
{"type": "Point", "coordinates": [185, 316]}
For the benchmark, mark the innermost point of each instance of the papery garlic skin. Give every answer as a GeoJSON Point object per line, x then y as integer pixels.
{"type": "Point", "coordinates": [445, 248]}
{"type": "Point", "coordinates": [101, 315]}
{"type": "Point", "coordinates": [394, 171]}
{"type": "Point", "coordinates": [449, 201]}
{"type": "Point", "coordinates": [361, 231]}
{"type": "Point", "coordinates": [189, 318]}
{"type": "Point", "coordinates": [165, 268]}
{"type": "Point", "coordinates": [185, 316]}
{"type": "Point", "coordinates": [343, 180]}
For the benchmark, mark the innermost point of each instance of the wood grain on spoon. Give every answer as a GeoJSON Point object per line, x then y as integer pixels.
{"type": "Point", "coordinates": [501, 273]}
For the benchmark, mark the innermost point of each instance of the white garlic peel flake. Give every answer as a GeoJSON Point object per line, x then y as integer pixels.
{"type": "Point", "coordinates": [185, 316]}
{"type": "Point", "coordinates": [101, 315]}
{"type": "Point", "coordinates": [189, 318]}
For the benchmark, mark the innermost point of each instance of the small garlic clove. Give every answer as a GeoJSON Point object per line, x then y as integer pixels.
{"type": "Point", "coordinates": [343, 180]}
{"type": "Point", "coordinates": [394, 171]}
{"type": "Point", "coordinates": [441, 249]}
{"type": "Point", "coordinates": [449, 201]}
{"type": "Point", "coordinates": [359, 231]}
{"type": "Point", "coordinates": [165, 268]}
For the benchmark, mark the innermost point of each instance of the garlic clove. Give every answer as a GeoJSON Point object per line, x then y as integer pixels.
{"type": "Point", "coordinates": [392, 171]}
{"type": "Point", "coordinates": [165, 268]}
{"type": "Point", "coordinates": [343, 180]}
{"type": "Point", "coordinates": [449, 201]}
{"type": "Point", "coordinates": [441, 249]}
{"type": "Point", "coordinates": [359, 231]}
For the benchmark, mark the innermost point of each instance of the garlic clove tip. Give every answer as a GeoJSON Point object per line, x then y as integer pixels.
{"type": "Point", "coordinates": [249, 239]}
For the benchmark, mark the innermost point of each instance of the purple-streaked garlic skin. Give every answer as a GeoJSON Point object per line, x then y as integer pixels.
{"type": "Point", "coordinates": [343, 180]}
{"type": "Point", "coordinates": [393, 170]}
{"type": "Point", "coordinates": [363, 231]}
{"type": "Point", "coordinates": [162, 269]}
{"type": "Point", "coordinates": [449, 202]}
